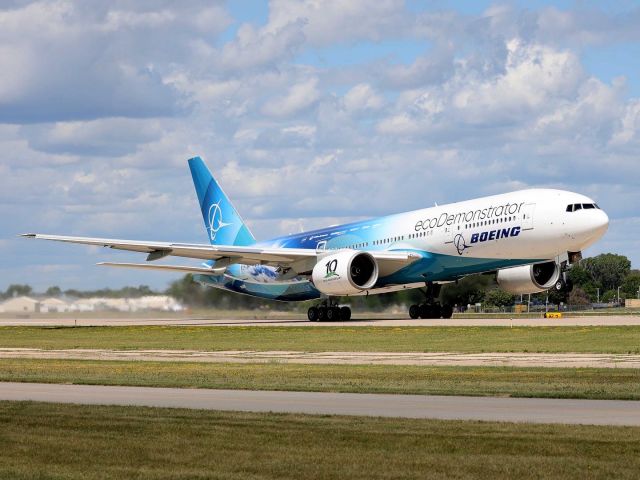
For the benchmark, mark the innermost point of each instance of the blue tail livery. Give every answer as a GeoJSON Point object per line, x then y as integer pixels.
{"type": "Point", "coordinates": [224, 225]}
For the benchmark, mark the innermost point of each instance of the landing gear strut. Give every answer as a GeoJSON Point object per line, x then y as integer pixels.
{"type": "Point", "coordinates": [564, 283]}
{"type": "Point", "coordinates": [328, 311]}
{"type": "Point", "coordinates": [431, 308]}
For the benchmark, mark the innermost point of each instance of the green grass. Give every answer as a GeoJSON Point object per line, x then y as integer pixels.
{"type": "Point", "coordinates": [601, 339]}
{"type": "Point", "coordinates": [52, 441]}
{"type": "Point", "coordinates": [400, 379]}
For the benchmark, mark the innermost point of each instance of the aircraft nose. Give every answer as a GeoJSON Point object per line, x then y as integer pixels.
{"type": "Point", "coordinates": [600, 222]}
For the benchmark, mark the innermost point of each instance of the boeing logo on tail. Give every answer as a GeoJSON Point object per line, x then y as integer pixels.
{"type": "Point", "coordinates": [215, 220]}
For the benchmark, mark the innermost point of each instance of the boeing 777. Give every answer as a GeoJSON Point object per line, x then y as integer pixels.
{"type": "Point", "coordinates": [529, 238]}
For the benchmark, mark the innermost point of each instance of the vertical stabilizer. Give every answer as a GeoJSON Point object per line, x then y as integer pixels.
{"type": "Point", "coordinates": [224, 225]}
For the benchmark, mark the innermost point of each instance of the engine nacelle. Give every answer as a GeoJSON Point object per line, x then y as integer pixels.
{"type": "Point", "coordinates": [529, 278]}
{"type": "Point", "coordinates": [345, 273]}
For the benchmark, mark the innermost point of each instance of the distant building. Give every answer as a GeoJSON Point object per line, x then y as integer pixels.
{"type": "Point", "coordinates": [103, 304]}
{"type": "Point", "coordinates": [82, 305]}
{"type": "Point", "coordinates": [22, 304]}
{"type": "Point", "coordinates": [54, 305]}
{"type": "Point", "coordinates": [63, 305]}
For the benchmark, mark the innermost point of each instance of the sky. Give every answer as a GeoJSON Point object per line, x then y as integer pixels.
{"type": "Point", "coordinates": [308, 112]}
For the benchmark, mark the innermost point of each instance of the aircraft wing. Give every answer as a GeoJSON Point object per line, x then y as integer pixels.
{"type": "Point", "coordinates": [300, 259]}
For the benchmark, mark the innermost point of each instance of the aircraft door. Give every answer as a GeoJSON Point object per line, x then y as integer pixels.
{"type": "Point", "coordinates": [527, 216]}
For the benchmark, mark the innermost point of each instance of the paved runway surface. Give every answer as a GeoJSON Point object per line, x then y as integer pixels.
{"type": "Point", "coordinates": [299, 321]}
{"type": "Point", "coordinates": [594, 412]}
{"type": "Point", "coordinates": [505, 359]}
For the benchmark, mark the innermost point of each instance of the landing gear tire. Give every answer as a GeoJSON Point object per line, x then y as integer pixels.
{"type": "Point", "coordinates": [312, 314]}
{"type": "Point", "coordinates": [426, 310]}
{"type": "Point", "coordinates": [333, 314]}
{"type": "Point", "coordinates": [345, 314]}
{"type": "Point", "coordinates": [447, 311]}
{"type": "Point", "coordinates": [328, 311]}
{"type": "Point", "coordinates": [430, 310]}
{"type": "Point", "coordinates": [560, 286]}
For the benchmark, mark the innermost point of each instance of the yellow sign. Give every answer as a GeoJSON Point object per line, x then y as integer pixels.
{"type": "Point", "coordinates": [553, 315]}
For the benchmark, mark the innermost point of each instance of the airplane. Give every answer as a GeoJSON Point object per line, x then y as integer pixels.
{"type": "Point", "coordinates": [529, 239]}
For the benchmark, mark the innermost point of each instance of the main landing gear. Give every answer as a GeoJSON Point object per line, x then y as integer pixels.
{"type": "Point", "coordinates": [431, 308]}
{"type": "Point", "coordinates": [328, 311]}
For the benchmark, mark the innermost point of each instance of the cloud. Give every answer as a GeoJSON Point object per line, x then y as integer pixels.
{"type": "Point", "coordinates": [111, 137]}
{"type": "Point", "coordinates": [333, 21]}
{"type": "Point", "coordinates": [362, 97]}
{"type": "Point", "coordinates": [255, 47]}
{"type": "Point", "coordinates": [299, 97]}
{"type": "Point", "coordinates": [63, 61]}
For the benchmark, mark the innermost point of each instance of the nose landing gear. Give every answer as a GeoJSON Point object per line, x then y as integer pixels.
{"type": "Point", "coordinates": [564, 283]}
{"type": "Point", "coordinates": [328, 311]}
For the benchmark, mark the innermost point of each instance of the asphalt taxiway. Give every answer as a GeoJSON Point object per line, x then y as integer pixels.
{"type": "Point", "coordinates": [535, 410]}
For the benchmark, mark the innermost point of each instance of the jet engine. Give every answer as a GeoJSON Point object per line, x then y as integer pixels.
{"type": "Point", "coordinates": [345, 272]}
{"type": "Point", "coordinates": [529, 278]}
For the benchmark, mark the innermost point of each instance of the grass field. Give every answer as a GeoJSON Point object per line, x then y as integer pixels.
{"type": "Point", "coordinates": [609, 339]}
{"type": "Point", "coordinates": [51, 441]}
{"type": "Point", "coordinates": [476, 381]}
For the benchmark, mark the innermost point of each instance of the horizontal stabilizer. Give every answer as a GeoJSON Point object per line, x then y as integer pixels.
{"type": "Point", "coordinates": [177, 268]}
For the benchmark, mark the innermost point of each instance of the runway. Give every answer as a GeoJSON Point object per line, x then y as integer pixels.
{"type": "Point", "coordinates": [535, 410]}
{"type": "Point", "coordinates": [503, 359]}
{"type": "Point", "coordinates": [289, 320]}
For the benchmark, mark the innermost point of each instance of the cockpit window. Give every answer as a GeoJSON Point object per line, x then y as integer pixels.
{"type": "Point", "coordinates": [579, 206]}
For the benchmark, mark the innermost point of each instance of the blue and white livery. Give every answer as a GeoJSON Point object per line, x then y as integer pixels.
{"type": "Point", "coordinates": [529, 238]}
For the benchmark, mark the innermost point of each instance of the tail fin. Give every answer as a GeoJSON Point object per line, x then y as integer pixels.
{"type": "Point", "coordinates": [224, 225]}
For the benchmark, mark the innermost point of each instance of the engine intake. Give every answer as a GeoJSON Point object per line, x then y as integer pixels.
{"type": "Point", "coordinates": [529, 278]}
{"type": "Point", "coordinates": [345, 273]}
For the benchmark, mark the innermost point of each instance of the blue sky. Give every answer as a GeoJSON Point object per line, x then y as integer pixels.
{"type": "Point", "coordinates": [309, 113]}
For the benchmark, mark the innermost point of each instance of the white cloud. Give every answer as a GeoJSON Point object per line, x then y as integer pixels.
{"type": "Point", "coordinates": [535, 76]}
{"type": "Point", "coordinates": [299, 97]}
{"type": "Point", "coordinates": [362, 97]}
{"type": "Point", "coordinates": [255, 47]}
{"type": "Point", "coordinates": [628, 130]}
{"type": "Point", "coordinates": [64, 60]}
{"type": "Point", "coordinates": [334, 21]}
{"type": "Point", "coordinates": [111, 137]}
